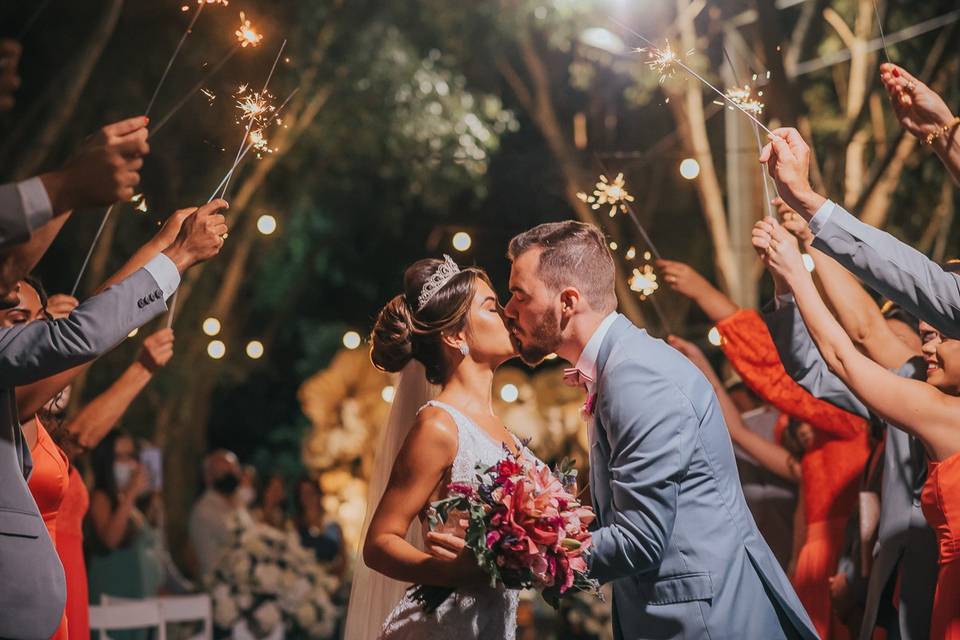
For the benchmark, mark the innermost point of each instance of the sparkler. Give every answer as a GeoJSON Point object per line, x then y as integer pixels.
{"type": "Point", "coordinates": [664, 60]}
{"type": "Point", "coordinates": [141, 205]}
{"type": "Point", "coordinates": [247, 36]}
{"type": "Point", "coordinates": [139, 202]}
{"type": "Point", "coordinates": [743, 96]}
{"type": "Point", "coordinates": [605, 193]}
{"type": "Point", "coordinates": [883, 39]}
{"type": "Point", "coordinates": [223, 185]}
{"type": "Point", "coordinates": [254, 109]}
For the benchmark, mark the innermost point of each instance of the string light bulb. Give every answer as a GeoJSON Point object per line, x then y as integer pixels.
{"type": "Point", "coordinates": [388, 393]}
{"type": "Point", "coordinates": [266, 224]}
{"type": "Point", "coordinates": [254, 349]}
{"type": "Point", "coordinates": [689, 168]}
{"type": "Point", "coordinates": [351, 340]}
{"type": "Point", "coordinates": [714, 338]}
{"type": "Point", "coordinates": [509, 393]}
{"type": "Point", "coordinates": [462, 241]}
{"type": "Point", "coordinates": [211, 326]}
{"type": "Point", "coordinates": [216, 349]}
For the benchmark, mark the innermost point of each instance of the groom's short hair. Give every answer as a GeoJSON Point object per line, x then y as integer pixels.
{"type": "Point", "coordinates": [574, 254]}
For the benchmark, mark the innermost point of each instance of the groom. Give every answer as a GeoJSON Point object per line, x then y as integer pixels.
{"type": "Point", "coordinates": [675, 536]}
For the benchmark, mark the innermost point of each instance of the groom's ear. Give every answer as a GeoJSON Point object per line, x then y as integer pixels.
{"type": "Point", "coordinates": [570, 300]}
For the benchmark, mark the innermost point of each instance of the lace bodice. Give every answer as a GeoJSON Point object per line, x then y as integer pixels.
{"type": "Point", "coordinates": [481, 612]}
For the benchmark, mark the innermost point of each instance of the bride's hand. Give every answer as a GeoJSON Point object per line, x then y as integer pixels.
{"type": "Point", "coordinates": [461, 561]}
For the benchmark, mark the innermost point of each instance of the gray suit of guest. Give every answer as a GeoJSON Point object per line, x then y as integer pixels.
{"type": "Point", "coordinates": [676, 536]}
{"type": "Point", "coordinates": [894, 269]}
{"type": "Point", "coordinates": [32, 588]}
{"type": "Point", "coordinates": [24, 207]}
{"type": "Point", "coordinates": [904, 539]}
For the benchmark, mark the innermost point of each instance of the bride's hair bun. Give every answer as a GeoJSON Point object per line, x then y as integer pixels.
{"type": "Point", "coordinates": [392, 336]}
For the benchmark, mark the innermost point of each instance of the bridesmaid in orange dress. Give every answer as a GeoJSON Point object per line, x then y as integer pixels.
{"type": "Point", "coordinates": [941, 507]}
{"type": "Point", "coordinates": [48, 484]}
{"type": "Point", "coordinates": [70, 549]}
{"type": "Point", "coordinates": [831, 466]}
{"type": "Point", "coordinates": [928, 410]}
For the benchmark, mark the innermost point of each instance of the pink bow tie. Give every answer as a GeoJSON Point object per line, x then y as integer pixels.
{"type": "Point", "coordinates": [576, 378]}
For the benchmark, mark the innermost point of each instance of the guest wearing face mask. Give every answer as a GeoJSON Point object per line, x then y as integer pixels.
{"type": "Point", "coordinates": [217, 510]}
{"type": "Point", "coordinates": [125, 549]}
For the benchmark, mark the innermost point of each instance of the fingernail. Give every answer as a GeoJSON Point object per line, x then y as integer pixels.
{"type": "Point", "coordinates": [896, 72]}
{"type": "Point", "coordinates": [146, 119]}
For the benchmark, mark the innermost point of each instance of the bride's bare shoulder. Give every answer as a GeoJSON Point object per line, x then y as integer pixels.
{"type": "Point", "coordinates": [434, 427]}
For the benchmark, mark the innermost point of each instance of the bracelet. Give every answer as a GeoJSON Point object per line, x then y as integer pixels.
{"type": "Point", "coordinates": [940, 131]}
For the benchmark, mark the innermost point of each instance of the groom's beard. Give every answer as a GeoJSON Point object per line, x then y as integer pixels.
{"type": "Point", "coordinates": [542, 341]}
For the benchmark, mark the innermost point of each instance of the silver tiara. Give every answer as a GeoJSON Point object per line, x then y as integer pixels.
{"type": "Point", "coordinates": [447, 269]}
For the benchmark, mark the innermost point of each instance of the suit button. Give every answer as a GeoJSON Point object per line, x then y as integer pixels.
{"type": "Point", "coordinates": [140, 303]}
{"type": "Point", "coordinates": [158, 293]}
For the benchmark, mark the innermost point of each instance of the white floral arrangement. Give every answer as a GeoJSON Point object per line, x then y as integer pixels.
{"type": "Point", "coordinates": [266, 579]}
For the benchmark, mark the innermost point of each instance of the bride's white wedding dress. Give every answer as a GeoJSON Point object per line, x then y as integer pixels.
{"type": "Point", "coordinates": [478, 612]}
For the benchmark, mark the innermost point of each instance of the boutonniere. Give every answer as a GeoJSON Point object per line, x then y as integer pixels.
{"type": "Point", "coordinates": [586, 411]}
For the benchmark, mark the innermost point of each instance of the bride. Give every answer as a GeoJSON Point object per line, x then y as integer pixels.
{"type": "Point", "coordinates": [446, 329]}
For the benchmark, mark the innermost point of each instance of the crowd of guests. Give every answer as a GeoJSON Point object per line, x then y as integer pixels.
{"type": "Point", "coordinates": [81, 513]}
{"type": "Point", "coordinates": [852, 402]}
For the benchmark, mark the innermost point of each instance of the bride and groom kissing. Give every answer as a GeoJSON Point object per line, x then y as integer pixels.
{"type": "Point", "coordinates": [673, 533]}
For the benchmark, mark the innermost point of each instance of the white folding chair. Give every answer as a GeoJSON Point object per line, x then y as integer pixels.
{"type": "Point", "coordinates": [174, 609]}
{"type": "Point", "coordinates": [121, 616]}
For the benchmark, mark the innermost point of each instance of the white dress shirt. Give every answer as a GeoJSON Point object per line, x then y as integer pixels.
{"type": "Point", "coordinates": [587, 362]}
{"type": "Point", "coordinates": [165, 272]}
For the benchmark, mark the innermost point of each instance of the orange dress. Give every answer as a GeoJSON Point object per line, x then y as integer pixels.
{"type": "Point", "coordinates": [832, 467]}
{"type": "Point", "coordinates": [48, 485]}
{"type": "Point", "coordinates": [70, 549]}
{"type": "Point", "coordinates": [941, 506]}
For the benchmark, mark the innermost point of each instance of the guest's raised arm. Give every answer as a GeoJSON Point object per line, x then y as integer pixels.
{"type": "Point", "coordinates": [887, 265]}
{"type": "Point", "coordinates": [917, 407]}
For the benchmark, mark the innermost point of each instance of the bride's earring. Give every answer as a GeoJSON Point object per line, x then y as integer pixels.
{"type": "Point", "coordinates": [464, 349]}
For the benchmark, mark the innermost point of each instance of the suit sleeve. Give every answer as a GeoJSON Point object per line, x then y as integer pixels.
{"type": "Point", "coordinates": [749, 347]}
{"type": "Point", "coordinates": [37, 350]}
{"type": "Point", "coordinates": [24, 207]}
{"type": "Point", "coordinates": [803, 362]}
{"type": "Point", "coordinates": [652, 433]}
{"type": "Point", "coordinates": [891, 267]}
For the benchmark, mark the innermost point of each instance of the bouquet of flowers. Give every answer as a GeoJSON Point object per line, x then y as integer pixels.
{"type": "Point", "coordinates": [265, 579]}
{"type": "Point", "coordinates": [525, 526]}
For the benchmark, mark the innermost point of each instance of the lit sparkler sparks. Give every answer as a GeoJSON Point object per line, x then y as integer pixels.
{"type": "Point", "coordinates": [260, 143]}
{"type": "Point", "coordinates": [644, 281]}
{"type": "Point", "coordinates": [662, 61]}
{"type": "Point", "coordinates": [743, 97]}
{"type": "Point", "coordinates": [211, 96]}
{"type": "Point", "coordinates": [139, 202]}
{"type": "Point", "coordinates": [246, 34]}
{"type": "Point", "coordinates": [606, 193]}
{"type": "Point", "coordinates": [255, 108]}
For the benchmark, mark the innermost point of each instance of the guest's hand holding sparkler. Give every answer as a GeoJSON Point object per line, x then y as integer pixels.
{"type": "Point", "coordinates": [201, 236]}
{"type": "Point", "coordinates": [60, 306]}
{"type": "Point", "coordinates": [686, 281]}
{"type": "Point", "coordinates": [104, 170]}
{"type": "Point", "coordinates": [920, 110]}
{"type": "Point", "coordinates": [787, 158]}
{"type": "Point", "coordinates": [924, 114]}
{"type": "Point", "coordinates": [157, 350]}
{"type": "Point", "coordinates": [780, 252]}
{"type": "Point", "coordinates": [9, 80]}
{"type": "Point", "coordinates": [794, 223]}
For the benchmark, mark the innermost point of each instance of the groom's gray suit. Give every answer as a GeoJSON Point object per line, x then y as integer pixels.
{"type": "Point", "coordinates": [32, 587]}
{"type": "Point", "coordinates": [676, 536]}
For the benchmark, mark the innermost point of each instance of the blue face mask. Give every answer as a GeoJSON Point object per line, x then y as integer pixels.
{"type": "Point", "coordinates": [122, 472]}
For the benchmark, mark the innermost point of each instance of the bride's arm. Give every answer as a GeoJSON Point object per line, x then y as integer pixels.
{"type": "Point", "coordinates": [918, 407]}
{"type": "Point", "coordinates": [421, 465]}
